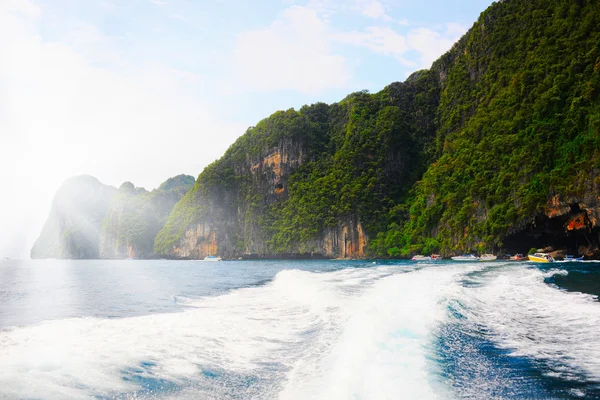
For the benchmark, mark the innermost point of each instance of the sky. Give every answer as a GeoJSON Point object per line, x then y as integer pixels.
{"type": "Point", "coordinates": [142, 90]}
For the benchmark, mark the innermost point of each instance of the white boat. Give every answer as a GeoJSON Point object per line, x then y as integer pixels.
{"type": "Point", "coordinates": [468, 257]}
{"type": "Point", "coordinates": [570, 258]}
{"type": "Point", "coordinates": [436, 257]}
{"type": "Point", "coordinates": [488, 257]}
{"type": "Point", "coordinates": [213, 258]}
{"type": "Point", "coordinates": [421, 258]}
{"type": "Point", "coordinates": [541, 257]}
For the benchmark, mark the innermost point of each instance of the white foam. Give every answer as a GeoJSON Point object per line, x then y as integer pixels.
{"type": "Point", "coordinates": [379, 350]}
{"type": "Point", "coordinates": [536, 320]}
{"type": "Point", "coordinates": [344, 323]}
{"type": "Point", "coordinates": [348, 334]}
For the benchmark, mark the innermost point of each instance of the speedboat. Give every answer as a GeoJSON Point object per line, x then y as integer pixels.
{"type": "Point", "coordinates": [570, 258]}
{"type": "Point", "coordinates": [213, 258]}
{"type": "Point", "coordinates": [421, 258]}
{"type": "Point", "coordinates": [488, 257]}
{"type": "Point", "coordinates": [468, 257]}
{"type": "Point", "coordinates": [541, 258]}
{"type": "Point", "coordinates": [436, 257]}
{"type": "Point", "coordinates": [517, 257]}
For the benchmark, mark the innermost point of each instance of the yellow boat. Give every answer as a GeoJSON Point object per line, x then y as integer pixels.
{"type": "Point", "coordinates": [541, 258]}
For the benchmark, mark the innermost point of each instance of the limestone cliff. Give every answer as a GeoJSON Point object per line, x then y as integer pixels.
{"type": "Point", "coordinates": [72, 229]}
{"type": "Point", "coordinates": [91, 220]}
{"type": "Point", "coordinates": [568, 223]}
{"type": "Point", "coordinates": [135, 216]}
{"type": "Point", "coordinates": [517, 137]}
{"type": "Point", "coordinates": [493, 149]}
{"type": "Point", "coordinates": [309, 183]}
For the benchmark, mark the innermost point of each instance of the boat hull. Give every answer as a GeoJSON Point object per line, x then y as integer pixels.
{"type": "Point", "coordinates": [539, 259]}
{"type": "Point", "coordinates": [421, 258]}
{"type": "Point", "coordinates": [460, 258]}
{"type": "Point", "coordinates": [489, 257]}
{"type": "Point", "coordinates": [573, 259]}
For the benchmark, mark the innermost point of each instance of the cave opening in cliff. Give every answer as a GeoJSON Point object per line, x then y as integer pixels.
{"type": "Point", "coordinates": [573, 233]}
{"type": "Point", "coordinates": [279, 188]}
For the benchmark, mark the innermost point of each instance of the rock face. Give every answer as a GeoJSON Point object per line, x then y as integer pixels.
{"type": "Point", "coordinates": [568, 224]}
{"type": "Point", "coordinates": [91, 220]}
{"type": "Point", "coordinates": [226, 211]}
{"type": "Point", "coordinates": [73, 227]}
{"type": "Point", "coordinates": [135, 216]}
{"type": "Point", "coordinates": [487, 151]}
{"type": "Point", "coordinates": [517, 136]}
{"type": "Point", "coordinates": [310, 183]}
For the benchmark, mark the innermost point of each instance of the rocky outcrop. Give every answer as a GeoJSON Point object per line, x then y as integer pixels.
{"type": "Point", "coordinates": [135, 216]}
{"type": "Point", "coordinates": [569, 224]}
{"type": "Point", "coordinates": [228, 211]}
{"type": "Point", "coordinates": [310, 183]}
{"type": "Point", "coordinates": [91, 220]}
{"type": "Point", "coordinates": [347, 240]}
{"type": "Point", "coordinates": [73, 227]}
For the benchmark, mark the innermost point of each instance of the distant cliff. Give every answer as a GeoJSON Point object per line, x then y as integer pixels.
{"type": "Point", "coordinates": [73, 227]}
{"type": "Point", "coordinates": [135, 216]}
{"type": "Point", "coordinates": [92, 220]}
{"type": "Point", "coordinates": [495, 148]}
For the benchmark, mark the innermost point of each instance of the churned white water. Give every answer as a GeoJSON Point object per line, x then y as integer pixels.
{"type": "Point", "coordinates": [538, 321]}
{"type": "Point", "coordinates": [354, 333]}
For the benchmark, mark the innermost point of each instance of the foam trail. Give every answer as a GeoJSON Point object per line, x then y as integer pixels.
{"type": "Point", "coordinates": [556, 328]}
{"type": "Point", "coordinates": [380, 350]}
{"type": "Point", "coordinates": [249, 343]}
{"type": "Point", "coordinates": [355, 333]}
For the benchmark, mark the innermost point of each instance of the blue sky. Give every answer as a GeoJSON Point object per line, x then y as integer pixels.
{"type": "Point", "coordinates": [141, 90]}
{"type": "Point", "coordinates": [202, 37]}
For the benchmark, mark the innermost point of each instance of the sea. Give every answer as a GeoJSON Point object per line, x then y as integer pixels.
{"type": "Point", "coordinates": [332, 329]}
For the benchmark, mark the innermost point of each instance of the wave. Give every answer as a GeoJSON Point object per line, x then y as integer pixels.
{"type": "Point", "coordinates": [350, 333]}
{"type": "Point", "coordinates": [251, 342]}
{"type": "Point", "coordinates": [379, 349]}
{"type": "Point", "coordinates": [523, 314]}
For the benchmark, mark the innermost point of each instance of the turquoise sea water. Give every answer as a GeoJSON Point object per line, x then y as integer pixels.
{"type": "Point", "coordinates": [298, 330]}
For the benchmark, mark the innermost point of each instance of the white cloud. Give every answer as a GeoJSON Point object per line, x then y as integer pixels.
{"type": "Point", "coordinates": [62, 113]}
{"type": "Point", "coordinates": [424, 42]}
{"type": "Point", "coordinates": [381, 40]}
{"type": "Point", "coordinates": [294, 53]}
{"type": "Point", "coordinates": [21, 7]}
{"type": "Point", "coordinates": [374, 9]}
{"type": "Point", "coordinates": [428, 44]}
{"type": "Point", "coordinates": [432, 44]}
{"type": "Point", "coordinates": [455, 30]}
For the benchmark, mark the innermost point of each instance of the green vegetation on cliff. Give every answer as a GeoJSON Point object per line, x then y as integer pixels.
{"type": "Point", "coordinates": [377, 148]}
{"type": "Point", "coordinates": [135, 216]}
{"type": "Point", "coordinates": [353, 160]}
{"type": "Point", "coordinates": [454, 159]}
{"type": "Point", "coordinates": [91, 220]}
{"type": "Point", "coordinates": [519, 121]}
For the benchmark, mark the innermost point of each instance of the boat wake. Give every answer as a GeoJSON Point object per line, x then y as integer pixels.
{"type": "Point", "coordinates": [384, 332]}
